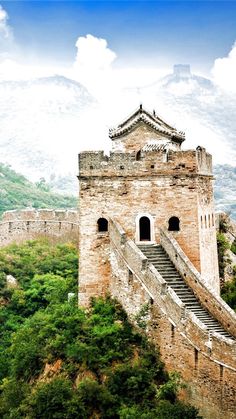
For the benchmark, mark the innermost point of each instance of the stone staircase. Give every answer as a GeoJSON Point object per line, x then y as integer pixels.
{"type": "Point", "coordinates": [159, 258]}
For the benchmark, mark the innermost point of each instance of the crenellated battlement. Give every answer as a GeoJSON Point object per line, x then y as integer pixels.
{"type": "Point", "coordinates": [41, 214]}
{"type": "Point", "coordinates": [145, 163]}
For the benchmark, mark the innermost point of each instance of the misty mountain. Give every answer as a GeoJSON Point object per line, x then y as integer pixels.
{"type": "Point", "coordinates": [45, 122]}
{"type": "Point", "coordinates": [40, 123]}
{"type": "Point", "coordinates": [198, 107]}
{"type": "Point", "coordinates": [225, 189]}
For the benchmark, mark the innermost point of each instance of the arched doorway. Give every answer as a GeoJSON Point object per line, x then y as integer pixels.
{"type": "Point", "coordinates": [144, 229]}
{"type": "Point", "coordinates": [102, 224]}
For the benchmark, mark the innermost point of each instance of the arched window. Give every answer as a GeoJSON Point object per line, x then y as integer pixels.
{"type": "Point", "coordinates": [173, 224]}
{"type": "Point", "coordinates": [102, 225]}
{"type": "Point", "coordinates": [138, 155]}
{"type": "Point", "coordinates": [144, 229]}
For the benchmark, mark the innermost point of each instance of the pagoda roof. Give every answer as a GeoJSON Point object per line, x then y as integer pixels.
{"type": "Point", "coordinates": [150, 119]}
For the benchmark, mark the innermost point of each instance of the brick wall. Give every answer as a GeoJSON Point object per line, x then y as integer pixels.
{"type": "Point", "coordinates": [206, 362]}
{"type": "Point", "coordinates": [119, 186]}
{"type": "Point", "coordinates": [18, 226]}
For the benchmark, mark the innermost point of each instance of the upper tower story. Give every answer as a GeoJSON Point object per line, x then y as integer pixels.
{"type": "Point", "coordinates": [143, 128]}
{"type": "Point", "coordinates": [146, 176]}
{"type": "Point", "coordinates": [145, 145]}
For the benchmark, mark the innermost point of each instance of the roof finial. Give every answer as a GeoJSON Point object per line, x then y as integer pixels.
{"type": "Point", "coordinates": [140, 107]}
{"type": "Point", "coordinates": [154, 112]}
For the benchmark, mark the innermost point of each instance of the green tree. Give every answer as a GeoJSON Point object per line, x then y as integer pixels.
{"type": "Point", "coordinates": [222, 245]}
{"type": "Point", "coordinates": [228, 291]}
{"type": "Point", "coordinates": [60, 361]}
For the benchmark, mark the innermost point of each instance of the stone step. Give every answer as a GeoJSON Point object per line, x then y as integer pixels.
{"type": "Point", "coordinates": [160, 262]}
{"type": "Point", "coordinates": [162, 265]}
{"type": "Point", "coordinates": [187, 299]}
{"type": "Point", "coordinates": [155, 252]}
{"type": "Point", "coordinates": [173, 281]}
{"type": "Point", "coordinates": [185, 291]}
{"type": "Point", "coordinates": [168, 270]}
{"type": "Point", "coordinates": [215, 327]}
{"type": "Point", "coordinates": [207, 318]}
{"type": "Point", "coordinates": [158, 257]}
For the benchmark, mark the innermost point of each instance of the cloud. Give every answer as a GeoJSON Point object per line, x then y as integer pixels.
{"type": "Point", "coordinates": [6, 35]}
{"type": "Point", "coordinates": [5, 30]}
{"type": "Point", "coordinates": [93, 52]}
{"type": "Point", "coordinates": [224, 71]}
{"type": "Point", "coordinates": [93, 64]}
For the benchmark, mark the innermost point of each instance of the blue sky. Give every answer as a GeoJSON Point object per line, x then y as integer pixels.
{"type": "Point", "coordinates": [157, 33]}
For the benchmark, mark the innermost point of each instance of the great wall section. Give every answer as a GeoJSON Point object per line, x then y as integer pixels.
{"type": "Point", "coordinates": [20, 225]}
{"type": "Point", "coordinates": [146, 233]}
{"type": "Point", "coordinates": [205, 358]}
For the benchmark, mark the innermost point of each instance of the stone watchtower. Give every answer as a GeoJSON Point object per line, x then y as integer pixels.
{"type": "Point", "coordinates": [146, 184]}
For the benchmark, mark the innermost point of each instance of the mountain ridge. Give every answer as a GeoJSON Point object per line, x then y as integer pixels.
{"type": "Point", "coordinates": [17, 192]}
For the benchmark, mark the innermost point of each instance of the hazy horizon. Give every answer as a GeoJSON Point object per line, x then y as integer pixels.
{"type": "Point", "coordinates": [119, 51]}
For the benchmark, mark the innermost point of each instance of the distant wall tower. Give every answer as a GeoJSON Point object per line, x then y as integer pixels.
{"type": "Point", "coordinates": [146, 183]}
{"type": "Point", "coordinates": [182, 70]}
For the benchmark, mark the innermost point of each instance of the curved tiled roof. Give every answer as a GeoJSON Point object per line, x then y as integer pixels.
{"type": "Point", "coordinates": [149, 119]}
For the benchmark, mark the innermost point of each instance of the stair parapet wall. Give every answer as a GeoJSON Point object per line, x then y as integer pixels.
{"type": "Point", "coordinates": [145, 272]}
{"type": "Point", "coordinates": [20, 225]}
{"type": "Point", "coordinates": [206, 295]}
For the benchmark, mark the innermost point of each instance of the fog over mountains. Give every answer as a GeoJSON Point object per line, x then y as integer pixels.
{"type": "Point", "coordinates": [40, 121]}
{"type": "Point", "coordinates": [197, 106]}
{"type": "Point", "coordinates": [45, 122]}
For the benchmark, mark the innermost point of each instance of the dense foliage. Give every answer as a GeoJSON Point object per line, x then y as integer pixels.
{"type": "Point", "coordinates": [222, 246]}
{"type": "Point", "coordinates": [228, 291]}
{"type": "Point", "coordinates": [59, 361]}
{"type": "Point", "coordinates": [16, 192]}
{"type": "Point", "coordinates": [228, 288]}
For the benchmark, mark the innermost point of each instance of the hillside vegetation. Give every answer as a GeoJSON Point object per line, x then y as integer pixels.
{"type": "Point", "coordinates": [16, 192]}
{"type": "Point", "coordinates": [60, 361]}
{"type": "Point", "coordinates": [226, 246]}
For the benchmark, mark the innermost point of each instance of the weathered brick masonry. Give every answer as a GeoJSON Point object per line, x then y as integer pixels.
{"type": "Point", "coordinates": [20, 225]}
{"type": "Point", "coordinates": [205, 360]}
{"type": "Point", "coordinates": [146, 186]}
